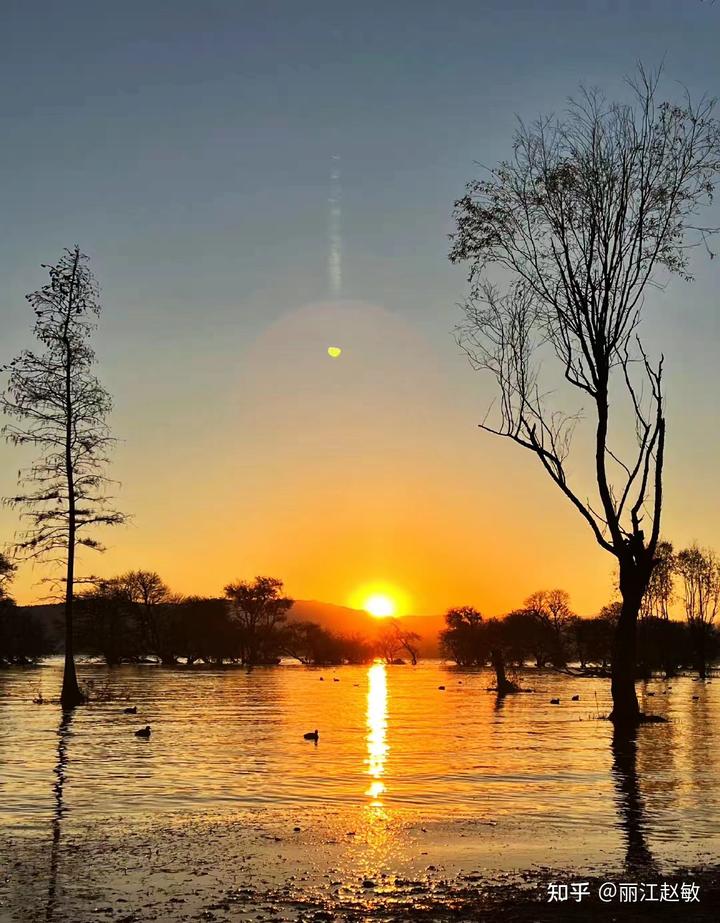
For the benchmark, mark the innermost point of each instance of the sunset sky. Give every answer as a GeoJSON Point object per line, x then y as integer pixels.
{"type": "Point", "coordinates": [188, 148]}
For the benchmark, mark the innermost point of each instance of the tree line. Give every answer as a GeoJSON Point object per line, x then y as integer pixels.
{"type": "Point", "coordinates": [23, 639]}
{"type": "Point", "coordinates": [545, 630]}
{"type": "Point", "coordinates": [135, 617]}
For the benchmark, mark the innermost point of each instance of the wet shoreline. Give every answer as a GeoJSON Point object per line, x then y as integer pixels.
{"type": "Point", "coordinates": [247, 869]}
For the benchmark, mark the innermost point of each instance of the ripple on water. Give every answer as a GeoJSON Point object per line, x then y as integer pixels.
{"type": "Point", "coordinates": [228, 740]}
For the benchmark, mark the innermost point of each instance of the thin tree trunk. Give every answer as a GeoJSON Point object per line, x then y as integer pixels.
{"type": "Point", "coordinates": [70, 695]}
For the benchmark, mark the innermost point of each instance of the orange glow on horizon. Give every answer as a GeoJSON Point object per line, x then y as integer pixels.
{"type": "Point", "coordinates": [367, 501]}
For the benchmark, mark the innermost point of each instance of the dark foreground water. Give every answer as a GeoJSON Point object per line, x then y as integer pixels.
{"type": "Point", "coordinates": [512, 782]}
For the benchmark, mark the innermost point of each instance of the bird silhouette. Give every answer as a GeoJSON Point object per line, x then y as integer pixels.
{"type": "Point", "coordinates": [131, 710]}
{"type": "Point", "coordinates": [143, 732]}
{"type": "Point", "coordinates": [312, 735]}
{"type": "Point", "coordinates": [554, 701]}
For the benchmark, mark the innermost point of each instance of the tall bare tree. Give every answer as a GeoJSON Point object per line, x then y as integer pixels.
{"type": "Point", "coordinates": [62, 410]}
{"type": "Point", "coordinates": [588, 214]}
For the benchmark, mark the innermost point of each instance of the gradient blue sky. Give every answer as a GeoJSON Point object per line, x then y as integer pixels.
{"type": "Point", "coordinates": [186, 146]}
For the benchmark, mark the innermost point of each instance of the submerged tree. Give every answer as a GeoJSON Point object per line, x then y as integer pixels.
{"type": "Point", "coordinates": [152, 597]}
{"type": "Point", "coordinates": [260, 611]}
{"type": "Point", "coordinates": [580, 222]}
{"type": "Point", "coordinates": [699, 570]}
{"type": "Point", "coordinates": [393, 641]}
{"type": "Point", "coordinates": [464, 639]}
{"type": "Point", "coordinates": [62, 410]}
{"type": "Point", "coordinates": [106, 622]}
{"type": "Point", "coordinates": [551, 609]}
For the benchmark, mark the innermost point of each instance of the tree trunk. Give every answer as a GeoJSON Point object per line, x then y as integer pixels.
{"type": "Point", "coordinates": [504, 686]}
{"type": "Point", "coordinates": [70, 695]}
{"type": "Point", "coordinates": [626, 711]}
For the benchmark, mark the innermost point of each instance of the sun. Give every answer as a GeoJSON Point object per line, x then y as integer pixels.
{"type": "Point", "coordinates": [380, 598]}
{"type": "Point", "coordinates": [379, 605]}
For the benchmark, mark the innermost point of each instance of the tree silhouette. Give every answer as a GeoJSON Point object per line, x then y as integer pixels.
{"type": "Point", "coordinates": [62, 410]}
{"type": "Point", "coordinates": [106, 622]}
{"type": "Point", "coordinates": [7, 572]}
{"type": "Point", "coordinates": [260, 610]}
{"type": "Point", "coordinates": [551, 608]}
{"type": "Point", "coordinates": [580, 222]}
{"type": "Point", "coordinates": [393, 640]}
{"type": "Point", "coordinates": [464, 639]}
{"type": "Point", "coordinates": [22, 638]}
{"type": "Point", "coordinates": [151, 596]}
{"type": "Point", "coordinates": [699, 570]}
{"type": "Point", "coordinates": [659, 591]}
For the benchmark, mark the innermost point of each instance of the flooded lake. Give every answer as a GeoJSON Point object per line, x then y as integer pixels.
{"type": "Point", "coordinates": [510, 782]}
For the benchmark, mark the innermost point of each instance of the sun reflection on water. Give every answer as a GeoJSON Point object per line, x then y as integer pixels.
{"type": "Point", "coordinates": [377, 746]}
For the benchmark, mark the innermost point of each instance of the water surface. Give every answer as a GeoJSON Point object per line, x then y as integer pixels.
{"type": "Point", "coordinates": [532, 779]}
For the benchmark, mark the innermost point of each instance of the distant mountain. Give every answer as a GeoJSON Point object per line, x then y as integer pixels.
{"type": "Point", "coordinates": [346, 621]}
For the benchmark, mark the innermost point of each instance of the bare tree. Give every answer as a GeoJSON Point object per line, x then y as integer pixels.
{"type": "Point", "coordinates": [580, 222]}
{"type": "Point", "coordinates": [699, 570]}
{"type": "Point", "coordinates": [659, 592]}
{"type": "Point", "coordinates": [393, 639]}
{"type": "Point", "coordinates": [62, 410]}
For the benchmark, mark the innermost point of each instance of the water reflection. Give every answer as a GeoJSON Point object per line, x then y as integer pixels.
{"type": "Point", "coordinates": [59, 809]}
{"type": "Point", "coordinates": [377, 747]}
{"type": "Point", "coordinates": [630, 804]}
{"type": "Point", "coordinates": [398, 752]}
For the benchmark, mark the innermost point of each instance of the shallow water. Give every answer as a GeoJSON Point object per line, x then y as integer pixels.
{"type": "Point", "coordinates": [527, 776]}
